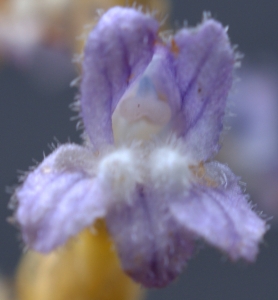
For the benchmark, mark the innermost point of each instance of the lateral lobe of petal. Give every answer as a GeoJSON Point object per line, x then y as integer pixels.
{"type": "Point", "coordinates": [118, 50]}
{"type": "Point", "coordinates": [204, 63]}
{"type": "Point", "coordinates": [57, 200]}
{"type": "Point", "coordinates": [221, 215]}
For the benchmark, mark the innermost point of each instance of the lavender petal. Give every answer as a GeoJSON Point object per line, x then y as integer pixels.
{"type": "Point", "coordinates": [220, 214]}
{"type": "Point", "coordinates": [153, 248]}
{"type": "Point", "coordinates": [204, 62]}
{"type": "Point", "coordinates": [58, 199]}
{"type": "Point", "coordinates": [118, 50]}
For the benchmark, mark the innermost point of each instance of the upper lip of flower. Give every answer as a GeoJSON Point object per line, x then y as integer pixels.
{"type": "Point", "coordinates": [156, 196]}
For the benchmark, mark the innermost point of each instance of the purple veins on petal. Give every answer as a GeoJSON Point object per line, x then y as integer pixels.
{"type": "Point", "coordinates": [204, 72]}
{"type": "Point", "coordinates": [193, 79]}
{"type": "Point", "coordinates": [58, 199]}
{"type": "Point", "coordinates": [221, 215]}
{"type": "Point", "coordinates": [118, 50]}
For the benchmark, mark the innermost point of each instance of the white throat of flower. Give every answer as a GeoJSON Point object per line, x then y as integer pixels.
{"type": "Point", "coordinates": [137, 159]}
{"type": "Point", "coordinates": [163, 168]}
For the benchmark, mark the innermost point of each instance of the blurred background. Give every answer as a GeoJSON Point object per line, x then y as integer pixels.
{"type": "Point", "coordinates": [38, 42]}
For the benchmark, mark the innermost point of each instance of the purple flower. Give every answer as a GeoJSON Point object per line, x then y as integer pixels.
{"type": "Point", "coordinates": [152, 110]}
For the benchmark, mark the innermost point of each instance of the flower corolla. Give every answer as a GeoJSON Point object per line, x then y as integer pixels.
{"type": "Point", "coordinates": [152, 109]}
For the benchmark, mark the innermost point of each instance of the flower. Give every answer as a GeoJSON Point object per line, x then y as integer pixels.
{"type": "Point", "coordinates": [152, 110]}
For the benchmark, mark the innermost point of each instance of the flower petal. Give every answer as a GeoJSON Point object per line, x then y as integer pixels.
{"type": "Point", "coordinates": [153, 248]}
{"type": "Point", "coordinates": [204, 62]}
{"type": "Point", "coordinates": [58, 199]}
{"type": "Point", "coordinates": [118, 50]}
{"type": "Point", "coordinates": [221, 214]}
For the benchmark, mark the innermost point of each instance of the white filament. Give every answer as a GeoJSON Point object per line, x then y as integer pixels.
{"type": "Point", "coordinates": [170, 168]}
{"type": "Point", "coordinates": [119, 171]}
